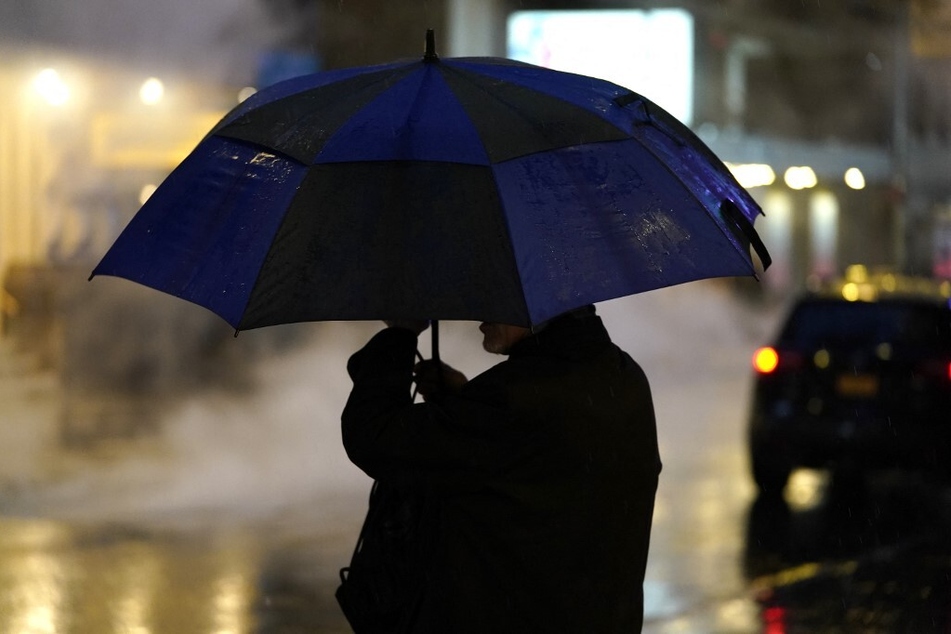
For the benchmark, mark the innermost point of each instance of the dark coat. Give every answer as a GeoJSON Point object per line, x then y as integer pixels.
{"type": "Point", "coordinates": [545, 468]}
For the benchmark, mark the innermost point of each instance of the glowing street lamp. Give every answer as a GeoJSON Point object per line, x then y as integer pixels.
{"type": "Point", "coordinates": [146, 192]}
{"type": "Point", "coordinates": [854, 178]}
{"type": "Point", "coordinates": [245, 93]}
{"type": "Point", "coordinates": [800, 177]}
{"type": "Point", "coordinates": [152, 91]}
{"type": "Point", "coordinates": [752, 174]}
{"type": "Point", "coordinates": [51, 87]}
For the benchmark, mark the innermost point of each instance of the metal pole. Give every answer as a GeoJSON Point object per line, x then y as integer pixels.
{"type": "Point", "coordinates": [475, 27]}
{"type": "Point", "coordinates": [900, 110]}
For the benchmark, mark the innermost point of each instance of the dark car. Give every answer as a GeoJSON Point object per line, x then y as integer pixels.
{"type": "Point", "coordinates": [858, 379]}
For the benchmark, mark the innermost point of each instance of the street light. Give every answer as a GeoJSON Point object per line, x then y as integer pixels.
{"type": "Point", "coordinates": [752, 174]}
{"type": "Point", "coordinates": [146, 192]}
{"type": "Point", "coordinates": [151, 91]}
{"type": "Point", "coordinates": [800, 177]}
{"type": "Point", "coordinates": [245, 93]}
{"type": "Point", "coordinates": [854, 178]}
{"type": "Point", "coordinates": [51, 87]}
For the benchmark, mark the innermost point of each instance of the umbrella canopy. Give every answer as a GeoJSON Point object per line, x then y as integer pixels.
{"type": "Point", "coordinates": [467, 188]}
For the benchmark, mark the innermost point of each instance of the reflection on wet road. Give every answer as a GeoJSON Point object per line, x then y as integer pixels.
{"type": "Point", "coordinates": [848, 555]}
{"type": "Point", "coordinates": [57, 577]}
{"type": "Point", "coordinates": [111, 579]}
{"type": "Point", "coordinates": [694, 581]}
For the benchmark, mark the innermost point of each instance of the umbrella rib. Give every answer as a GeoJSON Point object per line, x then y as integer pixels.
{"type": "Point", "coordinates": [521, 113]}
{"type": "Point", "coordinates": [504, 222]}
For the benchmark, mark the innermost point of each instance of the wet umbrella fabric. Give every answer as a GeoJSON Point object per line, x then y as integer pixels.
{"type": "Point", "coordinates": [470, 188]}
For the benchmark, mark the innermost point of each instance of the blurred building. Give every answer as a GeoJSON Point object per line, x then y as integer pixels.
{"type": "Point", "coordinates": [99, 101]}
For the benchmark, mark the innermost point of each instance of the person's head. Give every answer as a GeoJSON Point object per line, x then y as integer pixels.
{"type": "Point", "coordinates": [499, 338]}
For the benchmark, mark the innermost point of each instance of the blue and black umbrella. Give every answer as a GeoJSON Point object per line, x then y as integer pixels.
{"type": "Point", "coordinates": [465, 188]}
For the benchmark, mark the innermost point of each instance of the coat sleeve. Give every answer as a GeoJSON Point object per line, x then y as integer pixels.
{"type": "Point", "coordinates": [388, 436]}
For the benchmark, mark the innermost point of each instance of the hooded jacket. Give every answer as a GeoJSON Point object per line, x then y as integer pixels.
{"type": "Point", "coordinates": [544, 469]}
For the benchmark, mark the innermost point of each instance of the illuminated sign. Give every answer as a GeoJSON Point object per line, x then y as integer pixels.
{"type": "Point", "coordinates": [649, 52]}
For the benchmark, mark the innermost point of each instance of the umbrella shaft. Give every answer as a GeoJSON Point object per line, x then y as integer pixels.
{"type": "Point", "coordinates": [434, 326]}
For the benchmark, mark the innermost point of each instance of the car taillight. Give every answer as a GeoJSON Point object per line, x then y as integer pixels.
{"type": "Point", "coordinates": [934, 369]}
{"type": "Point", "coordinates": [774, 620]}
{"type": "Point", "coordinates": [766, 360]}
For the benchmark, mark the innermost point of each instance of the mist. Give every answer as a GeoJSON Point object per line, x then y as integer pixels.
{"type": "Point", "coordinates": [221, 456]}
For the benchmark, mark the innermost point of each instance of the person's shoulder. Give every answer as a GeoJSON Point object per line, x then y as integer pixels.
{"type": "Point", "coordinates": [629, 366]}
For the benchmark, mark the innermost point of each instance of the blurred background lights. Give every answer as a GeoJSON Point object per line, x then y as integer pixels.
{"type": "Point", "coordinates": [804, 491]}
{"type": "Point", "coordinates": [151, 91]}
{"type": "Point", "coordinates": [752, 174]}
{"type": "Point", "coordinates": [850, 291]}
{"type": "Point", "coordinates": [765, 360]}
{"type": "Point", "coordinates": [51, 87]}
{"type": "Point", "coordinates": [800, 177]}
{"type": "Point", "coordinates": [246, 92]}
{"type": "Point", "coordinates": [854, 178]}
{"type": "Point", "coordinates": [146, 192]}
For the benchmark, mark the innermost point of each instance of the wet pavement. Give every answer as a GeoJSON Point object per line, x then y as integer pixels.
{"type": "Point", "coordinates": [77, 577]}
{"type": "Point", "coordinates": [839, 554]}
{"type": "Point", "coordinates": [222, 523]}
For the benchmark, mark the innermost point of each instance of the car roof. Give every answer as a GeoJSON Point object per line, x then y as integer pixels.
{"type": "Point", "coordinates": [860, 284]}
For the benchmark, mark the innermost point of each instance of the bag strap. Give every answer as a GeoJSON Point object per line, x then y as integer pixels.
{"type": "Point", "coordinates": [363, 531]}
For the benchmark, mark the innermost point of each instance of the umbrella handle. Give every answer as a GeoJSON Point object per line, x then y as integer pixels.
{"type": "Point", "coordinates": [434, 325]}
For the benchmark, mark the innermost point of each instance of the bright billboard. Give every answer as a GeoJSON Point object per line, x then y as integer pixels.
{"type": "Point", "coordinates": [649, 52]}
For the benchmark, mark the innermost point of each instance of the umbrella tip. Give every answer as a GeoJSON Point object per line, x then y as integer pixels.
{"type": "Point", "coordinates": [430, 54]}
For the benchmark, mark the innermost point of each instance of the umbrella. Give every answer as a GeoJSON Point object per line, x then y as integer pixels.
{"type": "Point", "coordinates": [459, 188]}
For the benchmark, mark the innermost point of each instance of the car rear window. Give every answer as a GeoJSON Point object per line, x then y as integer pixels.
{"type": "Point", "coordinates": [818, 323]}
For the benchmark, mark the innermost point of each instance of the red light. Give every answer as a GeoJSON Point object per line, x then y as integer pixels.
{"type": "Point", "coordinates": [774, 618]}
{"type": "Point", "coordinates": [765, 360]}
{"type": "Point", "coordinates": [934, 370]}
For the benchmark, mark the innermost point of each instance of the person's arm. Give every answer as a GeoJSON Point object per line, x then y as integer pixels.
{"type": "Point", "coordinates": [388, 436]}
{"type": "Point", "coordinates": [382, 373]}
{"type": "Point", "coordinates": [436, 380]}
